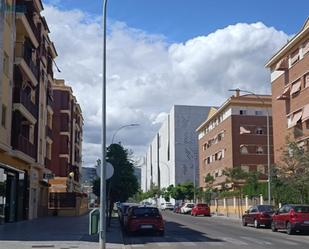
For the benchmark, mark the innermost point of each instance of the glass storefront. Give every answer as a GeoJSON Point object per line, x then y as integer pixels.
{"type": "Point", "coordinates": [13, 194]}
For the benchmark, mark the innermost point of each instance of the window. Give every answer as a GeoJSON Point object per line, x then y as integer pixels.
{"type": "Point", "coordinates": [260, 168]}
{"type": "Point", "coordinates": [3, 116]}
{"type": "Point", "coordinates": [258, 113]}
{"type": "Point", "coordinates": [31, 134]}
{"type": "Point", "coordinates": [208, 160]}
{"type": "Point", "coordinates": [306, 80]}
{"type": "Point", "coordinates": [259, 131]}
{"type": "Point", "coordinates": [245, 168]}
{"type": "Point", "coordinates": [204, 146]}
{"type": "Point", "coordinates": [294, 57]}
{"type": "Point", "coordinates": [6, 64]}
{"type": "Point", "coordinates": [259, 150]}
{"type": "Point", "coordinates": [243, 112]}
{"type": "Point", "coordinates": [243, 150]}
{"type": "Point", "coordinates": [306, 47]}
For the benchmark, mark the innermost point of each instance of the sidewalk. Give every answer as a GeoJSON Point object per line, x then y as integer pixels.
{"type": "Point", "coordinates": [57, 233]}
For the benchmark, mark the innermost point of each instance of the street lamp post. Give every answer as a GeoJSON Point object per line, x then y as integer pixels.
{"type": "Point", "coordinates": [102, 234]}
{"type": "Point", "coordinates": [120, 128]}
{"type": "Point", "coordinates": [268, 140]}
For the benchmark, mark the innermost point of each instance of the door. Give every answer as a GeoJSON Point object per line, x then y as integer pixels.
{"type": "Point", "coordinates": [253, 214]}
{"type": "Point", "coordinates": [280, 221]}
{"type": "Point", "coordinates": [2, 195]}
{"type": "Point", "coordinates": [10, 207]}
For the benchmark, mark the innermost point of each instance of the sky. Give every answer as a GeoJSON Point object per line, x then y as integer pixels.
{"type": "Point", "coordinates": [161, 53]}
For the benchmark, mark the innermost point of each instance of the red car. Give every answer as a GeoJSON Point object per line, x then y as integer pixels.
{"type": "Point", "coordinates": [292, 218]}
{"type": "Point", "coordinates": [258, 215]}
{"type": "Point", "coordinates": [200, 209]}
{"type": "Point", "coordinates": [143, 218]}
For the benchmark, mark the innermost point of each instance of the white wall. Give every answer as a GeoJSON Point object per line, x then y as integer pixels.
{"type": "Point", "coordinates": [178, 139]}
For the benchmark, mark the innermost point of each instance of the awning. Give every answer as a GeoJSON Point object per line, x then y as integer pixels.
{"type": "Point", "coordinates": [305, 115]}
{"type": "Point", "coordinates": [285, 94]}
{"type": "Point", "coordinates": [296, 117]}
{"type": "Point", "coordinates": [282, 64]}
{"type": "Point", "coordinates": [243, 130]}
{"type": "Point", "coordinates": [295, 87]}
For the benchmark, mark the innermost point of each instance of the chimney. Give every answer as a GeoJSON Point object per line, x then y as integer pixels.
{"type": "Point", "coordinates": [237, 93]}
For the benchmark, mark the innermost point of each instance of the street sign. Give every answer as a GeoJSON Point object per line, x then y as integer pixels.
{"type": "Point", "coordinates": [109, 170]}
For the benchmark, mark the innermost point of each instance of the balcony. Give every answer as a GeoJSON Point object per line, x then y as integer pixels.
{"type": "Point", "coordinates": [23, 54]}
{"type": "Point", "coordinates": [25, 25]}
{"type": "Point", "coordinates": [22, 144]}
{"type": "Point", "coordinates": [49, 132]}
{"type": "Point", "coordinates": [21, 97]}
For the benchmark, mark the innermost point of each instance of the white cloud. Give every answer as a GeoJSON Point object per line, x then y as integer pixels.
{"type": "Point", "coordinates": [146, 76]}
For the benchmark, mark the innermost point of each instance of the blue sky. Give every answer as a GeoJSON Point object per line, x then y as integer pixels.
{"type": "Point", "coordinates": [180, 20]}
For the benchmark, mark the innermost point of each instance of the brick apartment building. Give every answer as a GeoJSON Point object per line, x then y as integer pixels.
{"type": "Point", "coordinates": [67, 134]}
{"type": "Point", "coordinates": [235, 135]}
{"type": "Point", "coordinates": [28, 55]}
{"type": "Point", "coordinates": [290, 92]}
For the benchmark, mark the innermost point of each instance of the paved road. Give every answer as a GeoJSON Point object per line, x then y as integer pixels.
{"type": "Point", "coordinates": [185, 232]}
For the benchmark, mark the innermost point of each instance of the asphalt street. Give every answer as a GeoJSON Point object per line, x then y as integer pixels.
{"type": "Point", "coordinates": [185, 231]}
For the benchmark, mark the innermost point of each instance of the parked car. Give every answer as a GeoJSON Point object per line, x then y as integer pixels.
{"type": "Point", "coordinates": [141, 218]}
{"type": "Point", "coordinates": [258, 215]}
{"type": "Point", "coordinates": [292, 218]}
{"type": "Point", "coordinates": [167, 206]}
{"type": "Point", "coordinates": [123, 211]}
{"type": "Point", "coordinates": [200, 209]}
{"type": "Point", "coordinates": [186, 208]}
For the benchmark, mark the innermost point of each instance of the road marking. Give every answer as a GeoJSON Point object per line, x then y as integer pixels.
{"type": "Point", "coordinates": [235, 241]}
{"type": "Point", "coordinates": [257, 241]}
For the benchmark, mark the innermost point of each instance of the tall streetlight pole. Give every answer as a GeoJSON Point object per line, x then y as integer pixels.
{"type": "Point", "coordinates": [103, 134]}
{"type": "Point", "coordinates": [120, 128]}
{"type": "Point", "coordinates": [268, 140]}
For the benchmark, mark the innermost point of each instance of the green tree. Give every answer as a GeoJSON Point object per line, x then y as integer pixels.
{"type": "Point", "coordinates": [292, 175]}
{"type": "Point", "coordinates": [123, 184]}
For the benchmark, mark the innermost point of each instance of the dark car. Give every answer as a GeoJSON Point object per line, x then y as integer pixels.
{"type": "Point", "coordinates": [123, 211]}
{"type": "Point", "coordinates": [144, 218]}
{"type": "Point", "coordinates": [200, 209]}
{"type": "Point", "coordinates": [258, 215]}
{"type": "Point", "coordinates": [292, 218]}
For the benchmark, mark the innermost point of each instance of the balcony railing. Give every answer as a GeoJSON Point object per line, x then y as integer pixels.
{"type": "Point", "coordinates": [23, 144]}
{"type": "Point", "coordinates": [25, 51]}
{"type": "Point", "coordinates": [47, 163]}
{"type": "Point", "coordinates": [49, 132]}
{"type": "Point", "coordinates": [20, 96]}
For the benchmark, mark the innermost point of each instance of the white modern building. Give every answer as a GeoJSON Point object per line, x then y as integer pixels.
{"type": "Point", "coordinates": [172, 156]}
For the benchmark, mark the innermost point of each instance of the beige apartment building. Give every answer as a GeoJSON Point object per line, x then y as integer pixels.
{"type": "Point", "coordinates": [26, 110]}
{"type": "Point", "coordinates": [235, 135]}
{"type": "Point", "coordinates": [290, 92]}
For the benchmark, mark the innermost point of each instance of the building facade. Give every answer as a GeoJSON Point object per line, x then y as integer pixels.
{"type": "Point", "coordinates": [27, 62]}
{"type": "Point", "coordinates": [235, 135]}
{"type": "Point", "coordinates": [290, 92]}
{"type": "Point", "coordinates": [172, 156]}
{"type": "Point", "coordinates": [67, 132]}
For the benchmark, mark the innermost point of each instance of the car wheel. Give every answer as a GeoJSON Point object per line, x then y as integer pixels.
{"type": "Point", "coordinates": [256, 224]}
{"type": "Point", "coordinates": [289, 229]}
{"type": "Point", "coordinates": [273, 227]}
{"type": "Point", "coordinates": [244, 223]}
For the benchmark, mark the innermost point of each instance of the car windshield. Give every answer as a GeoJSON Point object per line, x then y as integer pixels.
{"type": "Point", "coordinates": [266, 208]}
{"type": "Point", "coordinates": [190, 205]}
{"type": "Point", "coordinates": [301, 209]}
{"type": "Point", "coordinates": [145, 211]}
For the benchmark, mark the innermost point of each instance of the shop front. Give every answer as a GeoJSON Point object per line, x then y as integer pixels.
{"type": "Point", "coordinates": [13, 194]}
